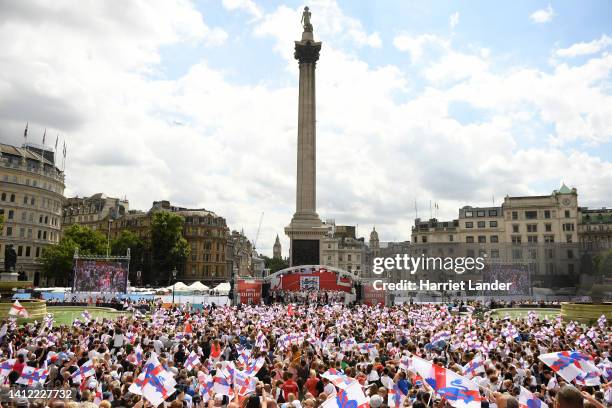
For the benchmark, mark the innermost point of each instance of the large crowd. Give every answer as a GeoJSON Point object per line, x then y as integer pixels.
{"type": "Point", "coordinates": [304, 356]}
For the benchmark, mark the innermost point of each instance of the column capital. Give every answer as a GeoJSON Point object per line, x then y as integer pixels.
{"type": "Point", "coordinates": [307, 52]}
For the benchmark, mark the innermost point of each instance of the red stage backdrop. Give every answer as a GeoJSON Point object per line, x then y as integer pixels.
{"type": "Point", "coordinates": [249, 291]}
{"type": "Point", "coordinates": [373, 297]}
{"type": "Point", "coordinates": [311, 279]}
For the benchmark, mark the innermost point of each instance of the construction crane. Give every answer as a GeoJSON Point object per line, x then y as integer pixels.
{"type": "Point", "coordinates": [258, 229]}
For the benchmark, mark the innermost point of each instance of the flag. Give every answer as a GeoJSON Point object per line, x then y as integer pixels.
{"type": "Point", "coordinates": [244, 383]}
{"type": "Point", "coordinates": [205, 384]}
{"type": "Point", "coordinates": [138, 353]}
{"type": "Point", "coordinates": [18, 310]}
{"type": "Point", "coordinates": [254, 366]}
{"type": "Point", "coordinates": [337, 378]}
{"type": "Point", "coordinates": [98, 396]}
{"type": "Point", "coordinates": [44, 136]}
{"type": "Point", "coordinates": [25, 133]}
{"type": "Point", "coordinates": [457, 390]}
{"type": "Point", "coordinates": [474, 367]}
{"type": "Point", "coordinates": [86, 370]}
{"type": "Point", "coordinates": [440, 337]}
{"type": "Point", "coordinates": [192, 360]}
{"type": "Point", "coordinates": [406, 363]}
{"type": "Point", "coordinates": [31, 376]}
{"type": "Point", "coordinates": [590, 379]}
{"type": "Point", "coordinates": [568, 364]}
{"type": "Point", "coordinates": [365, 348]}
{"type": "Point", "coordinates": [528, 400]}
{"type": "Point", "coordinates": [221, 384]}
{"type": "Point", "coordinates": [602, 322]}
{"type": "Point", "coordinates": [395, 397]}
{"type": "Point", "coordinates": [350, 397]}
{"type": "Point", "coordinates": [155, 384]}
{"type": "Point", "coordinates": [7, 366]}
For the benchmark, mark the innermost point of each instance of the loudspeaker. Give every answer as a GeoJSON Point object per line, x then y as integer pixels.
{"type": "Point", "coordinates": [265, 293]}
{"type": "Point", "coordinates": [358, 293]}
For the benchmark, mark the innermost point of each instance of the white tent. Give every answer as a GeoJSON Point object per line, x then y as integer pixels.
{"type": "Point", "coordinates": [222, 288]}
{"type": "Point", "coordinates": [178, 287]}
{"type": "Point", "coordinates": [198, 287]}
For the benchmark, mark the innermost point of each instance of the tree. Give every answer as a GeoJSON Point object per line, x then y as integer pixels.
{"type": "Point", "coordinates": [139, 254]}
{"type": "Point", "coordinates": [169, 249]}
{"type": "Point", "coordinates": [57, 259]}
{"type": "Point", "coordinates": [275, 264]}
{"type": "Point", "coordinates": [603, 263]}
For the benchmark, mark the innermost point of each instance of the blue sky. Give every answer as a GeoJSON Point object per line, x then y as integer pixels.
{"type": "Point", "coordinates": [196, 102]}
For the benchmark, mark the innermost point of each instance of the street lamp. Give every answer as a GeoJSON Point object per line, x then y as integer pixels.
{"type": "Point", "coordinates": [174, 272]}
{"type": "Point", "coordinates": [110, 221]}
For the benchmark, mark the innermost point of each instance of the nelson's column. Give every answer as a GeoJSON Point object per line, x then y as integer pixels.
{"type": "Point", "coordinates": [306, 229]}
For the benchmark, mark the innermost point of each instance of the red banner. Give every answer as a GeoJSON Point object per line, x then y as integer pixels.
{"type": "Point", "coordinates": [309, 279]}
{"type": "Point", "coordinates": [249, 291]}
{"type": "Point", "coordinates": [372, 296]}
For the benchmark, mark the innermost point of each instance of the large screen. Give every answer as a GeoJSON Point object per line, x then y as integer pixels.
{"type": "Point", "coordinates": [305, 252]}
{"type": "Point", "coordinates": [100, 276]}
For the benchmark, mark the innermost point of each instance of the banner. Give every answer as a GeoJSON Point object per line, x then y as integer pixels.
{"type": "Point", "coordinates": [249, 291]}
{"type": "Point", "coordinates": [309, 283]}
{"type": "Point", "coordinates": [372, 296]}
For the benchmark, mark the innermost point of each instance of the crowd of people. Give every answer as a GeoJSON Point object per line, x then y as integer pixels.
{"type": "Point", "coordinates": [305, 356]}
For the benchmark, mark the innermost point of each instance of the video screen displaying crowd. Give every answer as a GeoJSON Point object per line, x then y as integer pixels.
{"type": "Point", "coordinates": [310, 356]}
{"type": "Point", "coordinates": [100, 276]}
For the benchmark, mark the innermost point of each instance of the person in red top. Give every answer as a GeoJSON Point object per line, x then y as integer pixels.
{"type": "Point", "coordinates": [19, 364]}
{"type": "Point", "coordinates": [289, 386]}
{"type": "Point", "coordinates": [311, 383]}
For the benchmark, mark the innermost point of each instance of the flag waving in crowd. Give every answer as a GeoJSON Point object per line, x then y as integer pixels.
{"type": "Point", "coordinates": [18, 310]}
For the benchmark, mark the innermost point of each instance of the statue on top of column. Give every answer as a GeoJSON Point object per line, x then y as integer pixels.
{"type": "Point", "coordinates": [306, 20]}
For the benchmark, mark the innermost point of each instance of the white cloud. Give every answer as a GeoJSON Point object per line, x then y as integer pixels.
{"type": "Point", "coordinates": [247, 5]}
{"type": "Point", "coordinates": [543, 15]}
{"type": "Point", "coordinates": [453, 20]}
{"type": "Point", "coordinates": [417, 45]}
{"type": "Point", "coordinates": [585, 48]}
{"type": "Point", "coordinates": [86, 73]}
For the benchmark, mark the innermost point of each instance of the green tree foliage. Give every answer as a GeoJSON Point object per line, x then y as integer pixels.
{"type": "Point", "coordinates": [57, 259]}
{"type": "Point", "coordinates": [140, 251]}
{"type": "Point", "coordinates": [169, 249]}
{"type": "Point", "coordinates": [603, 263]}
{"type": "Point", "coordinates": [275, 264]}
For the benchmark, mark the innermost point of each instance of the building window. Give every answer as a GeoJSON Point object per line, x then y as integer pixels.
{"type": "Point", "coordinates": [567, 213]}
{"type": "Point", "coordinates": [549, 239]}
{"type": "Point", "coordinates": [492, 213]}
{"type": "Point", "coordinates": [469, 225]}
{"type": "Point", "coordinates": [532, 227]}
{"type": "Point", "coordinates": [493, 224]}
{"type": "Point", "coordinates": [570, 254]}
{"type": "Point", "coordinates": [546, 213]}
{"type": "Point", "coordinates": [550, 253]}
{"type": "Point", "coordinates": [12, 198]}
{"type": "Point", "coordinates": [37, 252]}
{"type": "Point", "coordinates": [548, 227]}
{"type": "Point", "coordinates": [423, 238]}
{"type": "Point", "coordinates": [480, 213]}
{"type": "Point", "coordinates": [570, 268]}
{"type": "Point", "coordinates": [25, 199]}
{"type": "Point", "coordinates": [470, 253]}
{"type": "Point", "coordinates": [495, 253]}
{"type": "Point", "coordinates": [469, 214]}
{"type": "Point", "coordinates": [27, 251]}
{"type": "Point", "coordinates": [494, 239]}
{"type": "Point", "coordinates": [515, 215]}
{"type": "Point", "coordinates": [531, 215]}
{"type": "Point", "coordinates": [568, 238]}
{"type": "Point", "coordinates": [482, 239]}
{"type": "Point", "coordinates": [515, 228]}
{"type": "Point", "coordinates": [20, 250]}
{"type": "Point", "coordinates": [481, 224]}
{"type": "Point", "coordinates": [348, 257]}
{"type": "Point", "coordinates": [517, 253]}
{"type": "Point", "coordinates": [469, 240]}
{"type": "Point", "coordinates": [451, 238]}
{"type": "Point", "coordinates": [568, 227]}
{"type": "Point", "coordinates": [21, 232]}
{"type": "Point", "coordinates": [3, 197]}
{"type": "Point", "coordinates": [11, 213]}
{"type": "Point", "coordinates": [516, 239]}
{"type": "Point", "coordinates": [533, 253]}
{"type": "Point", "coordinates": [9, 231]}
{"type": "Point", "coordinates": [532, 239]}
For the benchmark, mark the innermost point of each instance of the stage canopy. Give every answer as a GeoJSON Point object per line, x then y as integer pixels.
{"type": "Point", "coordinates": [308, 278]}
{"type": "Point", "coordinates": [178, 287]}
{"type": "Point", "coordinates": [198, 287]}
{"type": "Point", "coordinates": [222, 288]}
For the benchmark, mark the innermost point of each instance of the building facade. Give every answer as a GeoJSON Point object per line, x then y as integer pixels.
{"type": "Point", "coordinates": [539, 233]}
{"type": "Point", "coordinates": [595, 230]}
{"type": "Point", "coordinates": [341, 248]}
{"type": "Point", "coordinates": [277, 252]}
{"type": "Point", "coordinates": [89, 211]}
{"type": "Point", "coordinates": [31, 200]}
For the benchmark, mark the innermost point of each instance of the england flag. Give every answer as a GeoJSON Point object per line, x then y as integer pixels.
{"type": "Point", "coordinates": [254, 366]}
{"type": "Point", "coordinates": [337, 378]}
{"type": "Point", "coordinates": [395, 396]}
{"type": "Point", "coordinates": [457, 390]}
{"type": "Point", "coordinates": [6, 367]}
{"type": "Point", "coordinates": [568, 364]}
{"type": "Point", "coordinates": [18, 310]}
{"type": "Point", "coordinates": [244, 384]}
{"type": "Point", "coordinates": [222, 384]}
{"type": "Point", "coordinates": [31, 376]}
{"type": "Point", "coordinates": [474, 367]}
{"type": "Point", "coordinates": [84, 371]}
{"type": "Point", "coordinates": [351, 397]}
{"type": "Point", "coordinates": [154, 384]}
{"type": "Point", "coordinates": [528, 400]}
{"type": "Point", "coordinates": [192, 360]}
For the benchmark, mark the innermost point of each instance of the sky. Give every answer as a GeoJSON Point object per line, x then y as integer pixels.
{"type": "Point", "coordinates": [453, 103]}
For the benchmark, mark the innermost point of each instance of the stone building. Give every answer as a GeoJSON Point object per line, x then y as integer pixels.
{"type": "Point", "coordinates": [341, 248]}
{"type": "Point", "coordinates": [31, 199]}
{"type": "Point", "coordinates": [595, 230]}
{"type": "Point", "coordinates": [241, 254]}
{"type": "Point", "coordinates": [538, 232]}
{"type": "Point", "coordinates": [276, 249]}
{"type": "Point", "coordinates": [91, 210]}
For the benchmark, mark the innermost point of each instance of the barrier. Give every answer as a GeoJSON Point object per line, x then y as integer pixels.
{"type": "Point", "coordinates": [587, 313]}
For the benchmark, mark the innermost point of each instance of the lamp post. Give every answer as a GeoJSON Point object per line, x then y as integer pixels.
{"type": "Point", "coordinates": [110, 221]}
{"type": "Point", "coordinates": [174, 272]}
